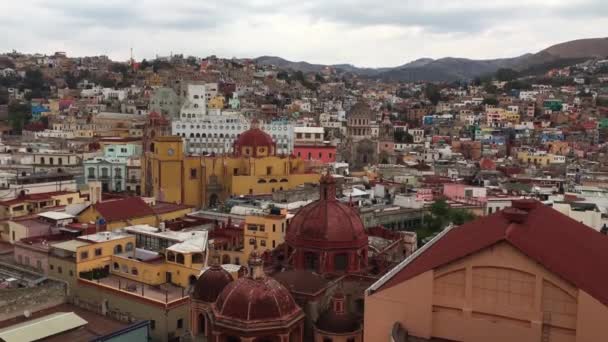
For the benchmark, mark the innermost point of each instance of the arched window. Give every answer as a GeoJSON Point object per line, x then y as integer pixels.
{"type": "Point", "coordinates": [117, 249]}
{"type": "Point", "coordinates": [124, 268]}
{"type": "Point", "coordinates": [284, 180]}
{"type": "Point", "coordinates": [116, 267]}
{"type": "Point", "coordinates": [191, 135]}
{"type": "Point", "coordinates": [170, 256]}
{"type": "Point", "coordinates": [272, 181]}
{"type": "Point", "coordinates": [261, 181]}
{"type": "Point", "coordinates": [179, 258]}
{"type": "Point", "coordinates": [91, 173]}
{"type": "Point", "coordinates": [192, 279]}
{"type": "Point", "coordinates": [197, 258]}
{"type": "Point", "coordinates": [204, 135]}
{"type": "Point", "coordinates": [134, 271]}
{"type": "Point", "coordinates": [129, 246]}
{"type": "Point", "coordinates": [341, 261]}
{"type": "Point", "coordinates": [198, 135]}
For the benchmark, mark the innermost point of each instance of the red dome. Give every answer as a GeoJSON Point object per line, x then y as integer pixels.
{"type": "Point", "coordinates": [211, 283]}
{"type": "Point", "coordinates": [248, 299]}
{"type": "Point", "coordinates": [254, 138]}
{"type": "Point", "coordinates": [327, 223]}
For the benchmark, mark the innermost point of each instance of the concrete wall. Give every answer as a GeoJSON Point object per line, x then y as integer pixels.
{"type": "Point", "coordinates": [123, 307]}
{"type": "Point", "coordinates": [497, 294]}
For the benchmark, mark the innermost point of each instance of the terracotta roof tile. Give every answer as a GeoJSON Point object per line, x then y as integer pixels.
{"type": "Point", "coordinates": [570, 249]}
{"type": "Point", "coordinates": [123, 209]}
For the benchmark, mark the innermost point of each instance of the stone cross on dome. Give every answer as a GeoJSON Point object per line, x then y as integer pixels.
{"type": "Point", "coordinates": [327, 188]}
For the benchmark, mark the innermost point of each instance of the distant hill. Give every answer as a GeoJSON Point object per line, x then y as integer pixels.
{"type": "Point", "coordinates": [451, 69]}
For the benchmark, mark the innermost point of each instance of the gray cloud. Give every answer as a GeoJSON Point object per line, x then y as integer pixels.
{"type": "Point", "coordinates": [363, 32]}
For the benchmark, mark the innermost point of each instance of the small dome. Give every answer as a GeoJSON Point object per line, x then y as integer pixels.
{"type": "Point", "coordinates": [253, 139]}
{"type": "Point", "coordinates": [327, 222]}
{"type": "Point", "coordinates": [211, 283]}
{"type": "Point", "coordinates": [248, 299]}
{"type": "Point", "coordinates": [360, 110]}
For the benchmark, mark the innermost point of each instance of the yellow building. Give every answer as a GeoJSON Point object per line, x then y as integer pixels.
{"type": "Point", "coordinates": [266, 231]}
{"type": "Point", "coordinates": [115, 254]}
{"type": "Point", "coordinates": [204, 181]}
{"type": "Point", "coordinates": [36, 203]}
{"type": "Point", "coordinates": [539, 158]}
{"type": "Point", "coordinates": [217, 102]}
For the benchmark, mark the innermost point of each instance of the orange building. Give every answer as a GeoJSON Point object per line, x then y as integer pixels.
{"type": "Point", "coordinates": [527, 273]}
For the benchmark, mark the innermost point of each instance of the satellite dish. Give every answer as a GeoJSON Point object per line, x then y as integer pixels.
{"type": "Point", "coordinates": [27, 313]}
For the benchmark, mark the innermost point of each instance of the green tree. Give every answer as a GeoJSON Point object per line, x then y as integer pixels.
{"type": "Point", "coordinates": [431, 91]}
{"type": "Point", "coordinates": [492, 101]}
{"type": "Point", "coordinates": [144, 64]}
{"type": "Point", "coordinates": [19, 115]}
{"type": "Point", "coordinates": [506, 74]}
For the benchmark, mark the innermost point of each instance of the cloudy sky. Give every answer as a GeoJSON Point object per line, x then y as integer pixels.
{"type": "Point", "coordinates": [362, 32]}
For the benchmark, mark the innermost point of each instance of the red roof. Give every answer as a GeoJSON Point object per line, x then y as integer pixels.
{"type": "Point", "coordinates": [571, 250]}
{"type": "Point", "coordinates": [123, 209]}
{"type": "Point", "coordinates": [327, 223]}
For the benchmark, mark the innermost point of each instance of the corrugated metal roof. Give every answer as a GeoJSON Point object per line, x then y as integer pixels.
{"type": "Point", "coordinates": [42, 327]}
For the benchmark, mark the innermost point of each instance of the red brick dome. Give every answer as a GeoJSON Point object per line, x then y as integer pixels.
{"type": "Point", "coordinates": [327, 223]}
{"type": "Point", "coordinates": [253, 139]}
{"type": "Point", "coordinates": [256, 298]}
{"type": "Point", "coordinates": [262, 299]}
{"type": "Point", "coordinates": [211, 283]}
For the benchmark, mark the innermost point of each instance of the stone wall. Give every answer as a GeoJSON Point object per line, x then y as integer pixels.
{"type": "Point", "coordinates": [13, 302]}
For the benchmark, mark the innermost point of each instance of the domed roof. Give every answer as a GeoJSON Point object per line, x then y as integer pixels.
{"type": "Point", "coordinates": [211, 283]}
{"type": "Point", "coordinates": [360, 109]}
{"type": "Point", "coordinates": [248, 299]}
{"type": "Point", "coordinates": [256, 297]}
{"type": "Point", "coordinates": [327, 223]}
{"type": "Point", "coordinates": [254, 137]}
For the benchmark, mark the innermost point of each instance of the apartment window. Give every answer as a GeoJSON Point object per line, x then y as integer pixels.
{"type": "Point", "coordinates": [252, 227]}
{"type": "Point", "coordinates": [59, 270]}
{"type": "Point", "coordinates": [84, 255]}
{"type": "Point", "coordinates": [152, 324]}
{"type": "Point", "coordinates": [273, 243]}
{"type": "Point", "coordinates": [97, 251]}
{"type": "Point", "coordinates": [180, 323]}
{"type": "Point", "coordinates": [20, 259]}
{"type": "Point", "coordinates": [51, 267]}
{"type": "Point", "coordinates": [60, 161]}
{"type": "Point", "coordinates": [41, 160]}
{"type": "Point", "coordinates": [51, 161]}
{"type": "Point", "coordinates": [71, 273]}
{"type": "Point", "coordinates": [252, 241]}
{"type": "Point", "coordinates": [91, 172]}
{"type": "Point", "coordinates": [282, 227]}
{"type": "Point", "coordinates": [320, 155]}
{"type": "Point", "coordinates": [268, 170]}
{"type": "Point", "coordinates": [274, 227]}
{"type": "Point", "coordinates": [262, 228]}
{"type": "Point", "coordinates": [39, 264]}
{"type": "Point", "coordinates": [193, 173]}
{"type": "Point", "coordinates": [263, 243]}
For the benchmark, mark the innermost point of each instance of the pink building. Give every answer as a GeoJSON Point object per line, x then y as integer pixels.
{"type": "Point", "coordinates": [322, 153]}
{"type": "Point", "coordinates": [464, 193]}
{"type": "Point", "coordinates": [527, 273]}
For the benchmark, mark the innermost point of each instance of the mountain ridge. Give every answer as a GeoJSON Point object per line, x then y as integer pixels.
{"type": "Point", "coordinates": [449, 69]}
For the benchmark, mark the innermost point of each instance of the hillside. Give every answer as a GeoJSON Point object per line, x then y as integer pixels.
{"type": "Point", "coordinates": [451, 69]}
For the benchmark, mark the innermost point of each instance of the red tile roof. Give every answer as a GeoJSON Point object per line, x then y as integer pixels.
{"type": "Point", "coordinates": [571, 250]}
{"type": "Point", "coordinates": [123, 209]}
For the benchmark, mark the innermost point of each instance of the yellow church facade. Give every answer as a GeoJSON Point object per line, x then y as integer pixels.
{"type": "Point", "coordinates": [205, 181]}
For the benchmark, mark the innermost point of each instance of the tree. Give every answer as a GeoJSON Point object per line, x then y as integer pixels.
{"type": "Point", "coordinates": [19, 115]}
{"type": "Point", "coordinates": [403, 137]}
{"type": "Point", "coordinates": [506, 74]}
{"type": "Point", "coordinates": [492, 101]}
{"type": "Point", "coordinates": [431, 91]}
{"type": "Point", "coordinates": [144, 64]}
